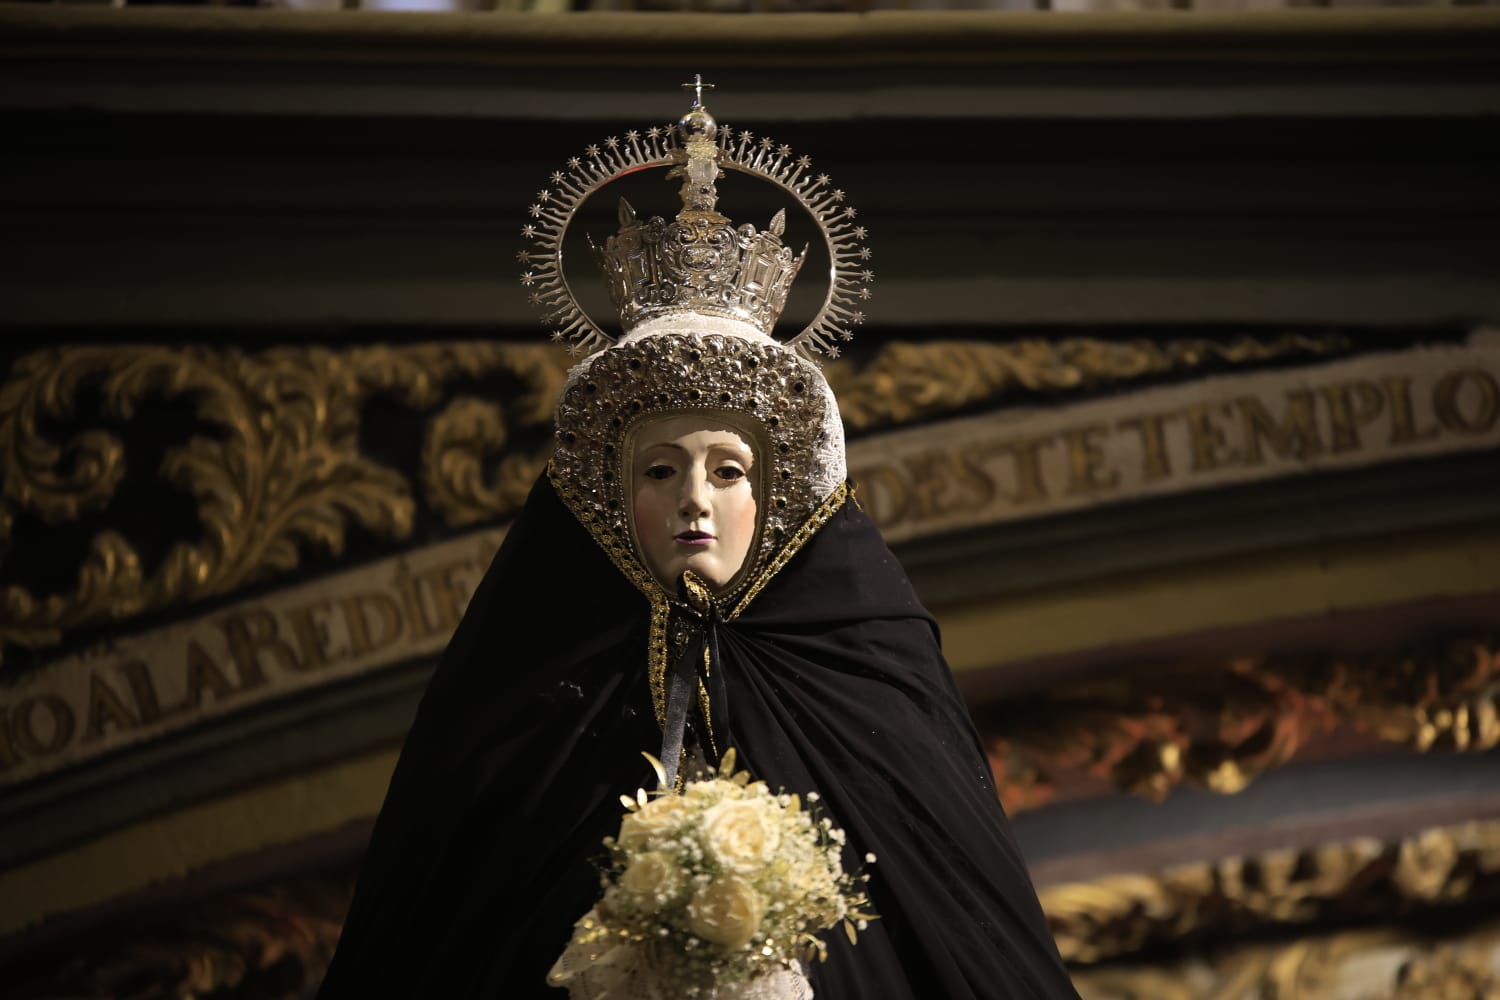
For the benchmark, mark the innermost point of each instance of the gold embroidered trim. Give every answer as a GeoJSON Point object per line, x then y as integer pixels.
{"type": "Point", "coordinates": [621, 552]}
{"type": "Point", "coordinates": [706, 706]}
{"type": "Point", "coordinates": [793, 545]}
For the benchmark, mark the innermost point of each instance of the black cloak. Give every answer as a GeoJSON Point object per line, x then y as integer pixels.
{"type": "Point", "coordinates": [486, 849]}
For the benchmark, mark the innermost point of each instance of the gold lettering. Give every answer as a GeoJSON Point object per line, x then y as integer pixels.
{"type": "Point", "coordinates": [311, 632]}
{"type": "Point", "coordinates": [1403, 421]}
{"type": "Point", "coordinates": [23, 725]}
{"type": "Point", "coordinates": [1087, 474]}
{"type": "Point", "coordinates": [1351, 405]}
{"type": "Point", "coordinates": [142, 690]}
{"type": "Point", "coordinates": [1210, 448]}
{"type": "Point", "coordinates": [411, 597]}
{"type": "Point", "coordinates": [357, 624]}
{"type": "Point", "coordinates": [203, 674]}
{"type": "Point", "coordinates": [1450, 413]}
{"type": "Point", "coordinates": [1296, 437]}
{"type": "Point", "coordinates": [1027, 455]}
{"type": "Point", "coordinates": [973, 475]}
{"type": "Point", "coordinates": [105, 709]}
{"type": "Point", "coordinates": [449, 598]}
{"type": "Point", "coordinates": [929, 482]}
{"type": "Point", "coordinates": [248, 635]}
{"type": "Point", "coordinates": [885, 494]}
{"type": "Point", "coordinates": [1156, 463]}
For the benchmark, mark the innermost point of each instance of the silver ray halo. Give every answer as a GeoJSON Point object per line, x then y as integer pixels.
{"type": "Point", "coordinates": [849, 272]}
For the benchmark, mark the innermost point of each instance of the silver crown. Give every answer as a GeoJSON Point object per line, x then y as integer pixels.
{"type": "Point", "coordinates": [698, 263]}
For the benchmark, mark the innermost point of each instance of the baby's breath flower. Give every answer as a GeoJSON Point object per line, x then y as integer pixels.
{"type": "Point", "coordinates": [723, 883]}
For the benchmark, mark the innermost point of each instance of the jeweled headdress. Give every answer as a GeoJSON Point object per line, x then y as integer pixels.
{"type": "Point", "coordinates": [698, 298]}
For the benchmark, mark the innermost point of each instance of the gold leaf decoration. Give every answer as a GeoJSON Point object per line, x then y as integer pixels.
{"type": "Point", "coordinates": [1220, 726]}
{"type": "Point", "coordinates": [269, 943]}
{"type": "Point", "coordinates": [281, 471]}
{"type": "Point", "coordinates": [912, 381]}
{"type": "Point", "coordinates": [459, 441]}
{"type": "Point", "coordinates": [1376, 964]}
{"type": "Point", "coordinates": [1122, 914]}
{"type": "Point", "coordinates": [273, 942]}
{"type": "Point", "coordinates": [1463, 971]}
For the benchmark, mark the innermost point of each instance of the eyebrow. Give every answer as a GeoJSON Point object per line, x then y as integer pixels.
{"type": "Point", "coordinates": [664, 444]}
{"type": "Point", "coordinates": [733, 446]}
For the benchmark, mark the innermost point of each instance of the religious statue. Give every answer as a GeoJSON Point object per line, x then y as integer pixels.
{"type": "Point", "coordinates": [692, 574]}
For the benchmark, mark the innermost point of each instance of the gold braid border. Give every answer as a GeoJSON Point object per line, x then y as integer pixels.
{"type": "Point", "coordinates": [622, 554]}
{"type": "Point", "coordinates": [793, 545]}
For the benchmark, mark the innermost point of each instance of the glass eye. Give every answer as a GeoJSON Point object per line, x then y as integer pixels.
{"type": "Point", "coordinates": [660, 471]}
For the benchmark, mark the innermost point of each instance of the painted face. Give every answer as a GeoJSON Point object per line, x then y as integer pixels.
{"type": "Point", "coordinates": [694, 501]}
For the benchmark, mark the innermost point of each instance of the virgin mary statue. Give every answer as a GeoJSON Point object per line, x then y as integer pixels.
{"type": "Point", "coordinates": [691, 573]}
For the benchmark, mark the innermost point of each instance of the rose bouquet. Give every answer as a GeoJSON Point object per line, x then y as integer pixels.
{"type": "Point", "coordinates": [718, 892]}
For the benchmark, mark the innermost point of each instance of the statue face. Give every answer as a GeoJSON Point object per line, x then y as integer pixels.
{"type": "Point", "coordinates": [693, 496]}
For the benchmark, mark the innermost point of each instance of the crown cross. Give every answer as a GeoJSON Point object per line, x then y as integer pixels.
{"type": "Point", "coordinates": [700, 262]}
{"type": "Point", "coordinates": [697, 87]}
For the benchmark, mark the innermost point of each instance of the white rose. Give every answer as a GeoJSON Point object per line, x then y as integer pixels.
{"type": "Point", "coordinates": [652, 881]}
{"type": "Point", "coordinates": [656, 818]}
{"type": "Point", "coordinates": [739, 835]}
{"type": "Point", "coordinates": [726, 911]}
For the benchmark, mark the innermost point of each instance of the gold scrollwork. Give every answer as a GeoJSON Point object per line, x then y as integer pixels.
{"type": "Point", "coordinates": [1122, 914]}
{"type": "Point", "coordinates": [912, 381]}
{"type": "Point", "coordinates": [286, 931]}
{"type": "Point", "coordinates": [1376, 964]}
{"type": "Point", "coordinates": [460, 440]}
{"type": "Point", "coordinates": [1219, 727]}
{"type": "Point", "coordinates": [231, 945]}
{"type": "Point", "coordinates": [280, 469]}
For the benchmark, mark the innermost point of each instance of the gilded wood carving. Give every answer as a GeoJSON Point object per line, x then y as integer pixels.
{"type": "Point", "coordinates": [910, 381]}
{"type": "Point", "coordinates": [1219, 726]}
{"type": "Point", "coordinates": [1381, 964]}
{"type": "Point", "coordinates": [1123, 914]}
{"type": "Point", "coordinates": [274, 941]}
{"type": "Point", "coordinates": [275, 465]}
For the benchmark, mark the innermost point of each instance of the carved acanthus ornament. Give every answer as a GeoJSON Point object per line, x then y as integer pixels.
{"type": "Point", "coordinates": [909, 381]}
{"type": "Point", "coordinates": [274, 942]}
{"type": "Point", "coordinates": [275, 465]}
{"type": "Point", "coordinates": [1383, 964]}
{"type": "Point", "coordinates": [1219, 726]}
{"type": "Point", "coordinates": [1122, 914]}
{"type": "Point", "coordinates": [270, 943]}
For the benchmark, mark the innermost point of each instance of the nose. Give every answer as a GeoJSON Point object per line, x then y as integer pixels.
{"type": "Point", "coordinates": [694, 500]}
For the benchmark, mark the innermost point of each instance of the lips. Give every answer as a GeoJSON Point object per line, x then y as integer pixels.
{"type": "Point", "coordinates": [694, 537]}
